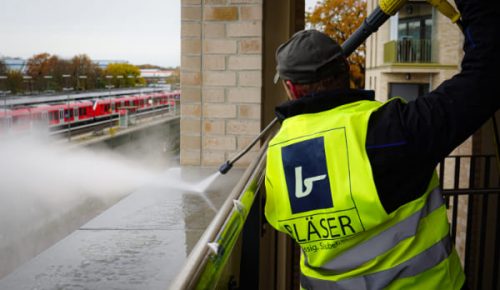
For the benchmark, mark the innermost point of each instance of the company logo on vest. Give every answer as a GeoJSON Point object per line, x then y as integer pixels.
{"type": "Point", "coordinates": [308, 183]}
{"type": "Point", "coordinates": [305, 169]}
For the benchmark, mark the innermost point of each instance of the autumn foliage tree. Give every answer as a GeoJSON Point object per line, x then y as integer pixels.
{"type": "Point", "coordinates": [39, 66]}
{"type": "Point", "coordinates": [47, 71]}
{"type": "Point", "coordinates": [14, 81]}
{"type": "Point", "coordinates": [50, 72]}
{"type": "Point", "coordinates": [3, 68]}
{"type": "Point", "coordinates": [123, 74]}
{"type": "Point", "coordinates": [339, 19]}
{"type": "Point", "coordinates": [85, 72]}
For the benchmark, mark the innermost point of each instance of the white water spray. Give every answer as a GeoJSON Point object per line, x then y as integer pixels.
{"type": "Point", "coordinates": [202, 187]}
{"type": "Point", "coordinates": [198, 188]}
{"type": "Point", "coordinates": [47, 191]}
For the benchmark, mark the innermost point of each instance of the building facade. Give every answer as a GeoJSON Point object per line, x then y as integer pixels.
{"type": "Point", "coordinates": [412, 53]}
{"type": "Point", "coordinates": [227, 67]}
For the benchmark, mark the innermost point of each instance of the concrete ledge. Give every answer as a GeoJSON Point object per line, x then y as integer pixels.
{"type": "Point", "coordinates": [139, 243]}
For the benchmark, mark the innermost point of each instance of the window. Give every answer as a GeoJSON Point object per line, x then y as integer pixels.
{"type": "Point", "coordinates": [414, 33]}
{"type": "Point", "coordinates": [68, 113]}
{"type": "Point", "coordinates": [415, 28]}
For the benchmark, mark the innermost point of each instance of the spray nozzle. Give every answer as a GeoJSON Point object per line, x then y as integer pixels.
{"type": "Point", "coordinates": [224, 168]}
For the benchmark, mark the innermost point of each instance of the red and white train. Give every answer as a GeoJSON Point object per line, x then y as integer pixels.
{"type": "Point", "coordinates": [54, 116]}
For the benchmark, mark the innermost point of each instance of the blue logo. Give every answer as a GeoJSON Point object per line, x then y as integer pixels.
{"type": "Point", "coordinates": [306, 175]}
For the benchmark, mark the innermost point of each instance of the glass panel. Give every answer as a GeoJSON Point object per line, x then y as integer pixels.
{"type": "Point", "coordinates": [428, 29]}
{"type": "Point", "coordinates": [414, 29]}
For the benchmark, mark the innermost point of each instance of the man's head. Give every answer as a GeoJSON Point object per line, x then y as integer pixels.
{"type": "Point", "coordinates": [311, 61]}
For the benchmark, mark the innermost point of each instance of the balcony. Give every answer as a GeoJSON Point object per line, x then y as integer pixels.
{"type": "Point", "coordinates": [409, 51]}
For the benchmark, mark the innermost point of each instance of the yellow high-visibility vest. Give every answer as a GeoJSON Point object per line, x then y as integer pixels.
{"type": "Point", "coordinates": [321, 192]}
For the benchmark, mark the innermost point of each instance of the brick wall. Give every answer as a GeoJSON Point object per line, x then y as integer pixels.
{"type": "Point", "coordinates": [221, 79]}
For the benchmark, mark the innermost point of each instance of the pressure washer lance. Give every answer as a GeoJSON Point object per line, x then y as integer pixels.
{"type": "Point", "coordinates": [384, 10]}
{"type": "Point", "coordinates": [229, 164]}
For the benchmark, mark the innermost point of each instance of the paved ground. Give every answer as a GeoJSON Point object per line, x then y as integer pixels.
{"type": "Point", "coordinates": [139, 243]}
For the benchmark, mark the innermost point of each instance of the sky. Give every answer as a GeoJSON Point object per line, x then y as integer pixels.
{"type": "Point", "coordinates": [310, 4]}
{"type": "Point", "coordinates": [140, 32]}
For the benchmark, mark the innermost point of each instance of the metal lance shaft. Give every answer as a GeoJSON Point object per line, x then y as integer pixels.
{"type": "Point", "coordinates": [224, 168]}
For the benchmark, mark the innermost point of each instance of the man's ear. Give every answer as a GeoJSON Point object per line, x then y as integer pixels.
{"type": "Point", "coordinates": [292, 89]}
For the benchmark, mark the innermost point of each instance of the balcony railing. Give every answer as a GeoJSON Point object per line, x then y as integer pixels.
{"type": "Point", "coordinates": [471, 186]}
{"type": "Point", "coordinates": [409, 51]}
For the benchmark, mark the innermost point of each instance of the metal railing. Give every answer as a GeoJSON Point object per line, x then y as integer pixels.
{"type": "Point", "coordinates": [471, 186]}
{"type": "Point", "coordinates": [409, 51]}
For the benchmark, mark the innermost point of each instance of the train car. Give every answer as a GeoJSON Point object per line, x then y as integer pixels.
{"type": "Point", "coordinates": [146, 101]}
{"type": "Point", "coordinates": [54, 116]}
{"type": "Point", "coordinates": [121, 102]}
{"type": "Point", "coordinates": [40, 113]}
{"type": "Point", "coordinates": [176, 94]}
{"type": "Point", "coordinates": [21, 119]}
{"type": "Point", "coordinates": [74, 112]}
{"type": "Point", "coordinates": [104, 108]}
{"type": "Point", "coordinates": [85, 110]}
{"type": "Point", "coordinates": [40, 117]}
{"type": "Point", "coordinates": [140, 102]}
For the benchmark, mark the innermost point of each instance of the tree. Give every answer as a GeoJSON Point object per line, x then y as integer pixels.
{"type": "Point", "coordinates": [175, 78]}
{"type": "Point", "coordinates": [85, 72]}
{"type": "Point", "coordinates": [3, 75]}
{"type": "Point", "coordinates": [61, 67]}
{"type": "Point", "coordinates": [130, 74]}
{"type": "Point", "coordinates": [42, 68]}
{"type": "Point", "coordinates": [14, 81]}
{"type": "Point", "coordinates": [3, 68]}
{"type": "Point", "coordinates": [38, 66]}
{"type": "Point", "coordinates": [339, 19]}
{"type": "Point", "coordinates": [149, 66]}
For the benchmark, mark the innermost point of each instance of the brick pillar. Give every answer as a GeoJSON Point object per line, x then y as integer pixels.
{"type": "Point", "coordinates": [221, 79]}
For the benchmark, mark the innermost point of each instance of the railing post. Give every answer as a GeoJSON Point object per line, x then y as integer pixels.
{"type": "Point", "coordinates": [250, 255]}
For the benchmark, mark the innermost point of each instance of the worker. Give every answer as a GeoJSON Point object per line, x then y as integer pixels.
{"type": "Point", "coordinates": [353, 181]}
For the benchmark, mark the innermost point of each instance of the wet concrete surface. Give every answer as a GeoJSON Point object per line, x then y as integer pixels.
{"type": "Point", "coordinates": [139, 243]}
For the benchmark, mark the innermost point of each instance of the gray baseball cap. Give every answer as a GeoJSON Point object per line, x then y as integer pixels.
{"type": "Point", "coordinates": [309, 56]}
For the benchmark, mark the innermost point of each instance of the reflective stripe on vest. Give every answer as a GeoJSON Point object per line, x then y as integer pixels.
{"type": "Point", "coordinates": [414, 266]}
{"type": "Point", "coordinates": [364, 252]}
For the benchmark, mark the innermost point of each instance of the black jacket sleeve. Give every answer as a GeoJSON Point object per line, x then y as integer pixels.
{"type": "Point", "coordinates": [405, 142]}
